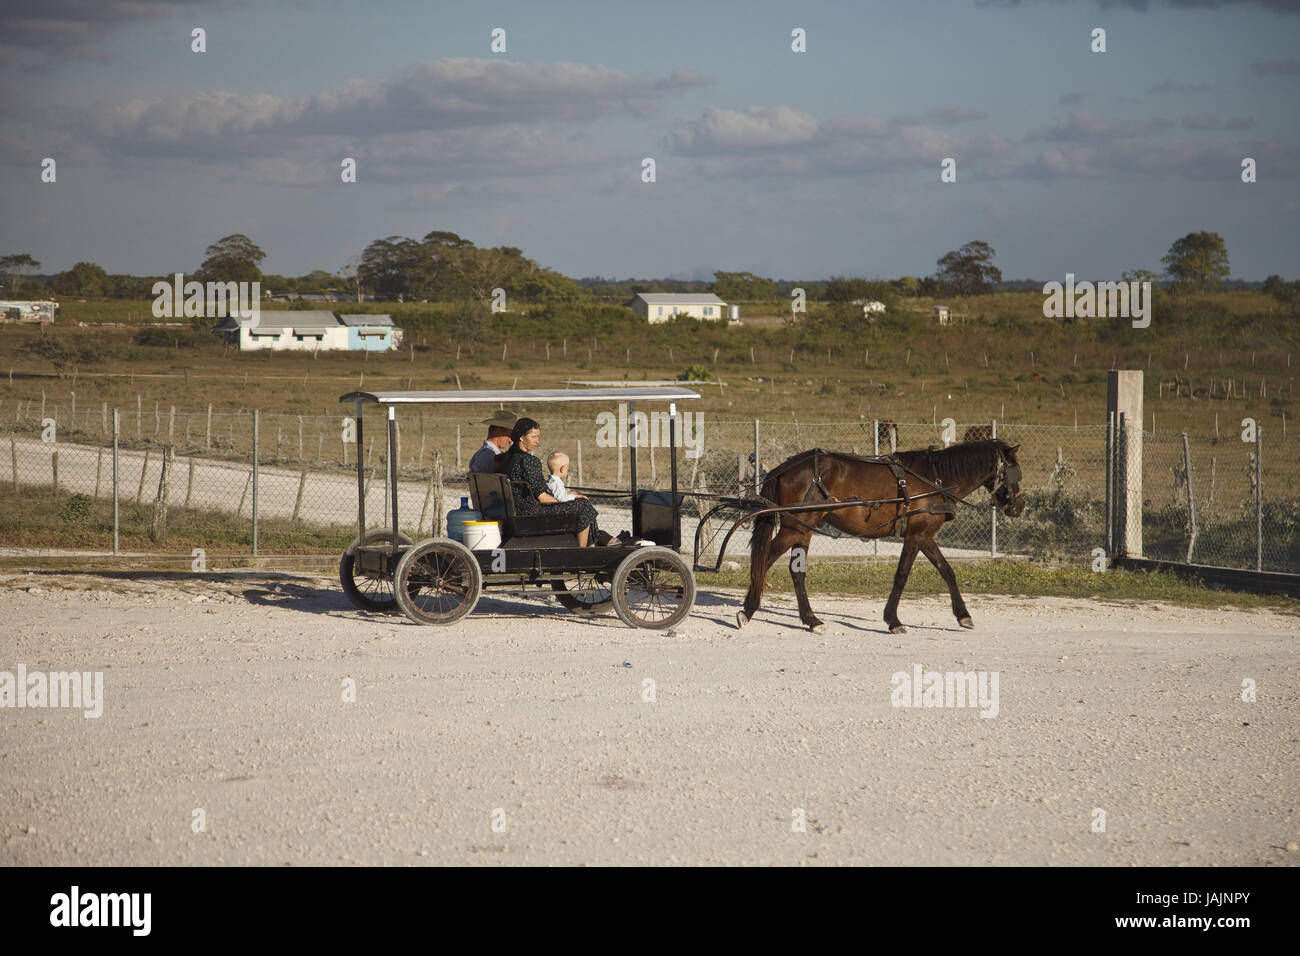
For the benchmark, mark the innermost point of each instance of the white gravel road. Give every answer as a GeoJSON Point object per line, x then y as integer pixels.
{"type": "Point", "coordinates": [225, 695]}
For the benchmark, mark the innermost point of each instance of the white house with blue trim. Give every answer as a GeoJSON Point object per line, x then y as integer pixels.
{"type": "Point", "coordinates": [312, 331]}
{"type": "Point", "coordinates": [371, 333]}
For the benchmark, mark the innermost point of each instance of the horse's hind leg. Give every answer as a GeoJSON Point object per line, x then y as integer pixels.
{"type": "Point", "coordinates": [931, 550]}
{"type": "Point", "coordinates": [910, 545]}
{"type": "Point", "coordinates": [754, 596]}
{"type": "Point", "coordinates": [798, 572]}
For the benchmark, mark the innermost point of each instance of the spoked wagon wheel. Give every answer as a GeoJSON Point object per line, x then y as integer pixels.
{"type": "Point", "coordinates": [653, 588]}
{"type": "Point", "coordinates": [438, 581]}
{"type": "Point", "coordinates": [586, 595]}
{"type": "Point", "coordinates": [374, 592]}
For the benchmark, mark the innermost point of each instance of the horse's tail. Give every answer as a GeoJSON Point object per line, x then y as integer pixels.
{"type": "Point", "coordinates": [760, 546]}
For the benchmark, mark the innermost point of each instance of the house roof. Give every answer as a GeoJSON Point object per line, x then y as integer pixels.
{"type": "Point", "coordinates": [361, 318]}
{"type": "Point", "coordinates": [680, 298]}
{"type": "Point", "coordinates": [290, 319]}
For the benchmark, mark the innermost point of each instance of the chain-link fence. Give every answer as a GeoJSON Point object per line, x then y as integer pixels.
{"type": "Point", "coordinates": [1222, 501]}
{"type": "Point", "coordinates": [246, 481]}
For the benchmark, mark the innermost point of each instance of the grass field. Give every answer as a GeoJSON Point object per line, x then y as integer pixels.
{"type": "Point", "coordinates": [1011, 364]}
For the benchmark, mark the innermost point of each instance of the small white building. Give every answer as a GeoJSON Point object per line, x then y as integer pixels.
{"type": "Point", "coordinates": [942, 314]}
{"type": "Point", "coordinates": [658, 307]}
{"type": "Point", "coordinates": [282, 331]}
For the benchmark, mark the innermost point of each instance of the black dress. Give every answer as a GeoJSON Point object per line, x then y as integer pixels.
{"type": "Point", "coordinates": [527, 482]}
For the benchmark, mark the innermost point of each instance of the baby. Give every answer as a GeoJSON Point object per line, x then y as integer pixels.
{"type": "Point", "coordinates": [558, 465]}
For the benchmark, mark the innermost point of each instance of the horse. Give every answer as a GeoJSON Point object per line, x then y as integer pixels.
{"type": "Point", "coordinates": [909, 492]}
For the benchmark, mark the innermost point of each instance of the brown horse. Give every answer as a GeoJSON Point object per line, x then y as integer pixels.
{"type": "Point", "coordinates": [915, 487]}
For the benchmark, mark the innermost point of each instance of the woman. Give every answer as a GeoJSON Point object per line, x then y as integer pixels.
{"type": "Point", "coordinates": [524, 469]}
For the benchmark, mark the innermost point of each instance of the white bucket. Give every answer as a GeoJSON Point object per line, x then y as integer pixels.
{"type": "Point", "coordinates": [482, 535]}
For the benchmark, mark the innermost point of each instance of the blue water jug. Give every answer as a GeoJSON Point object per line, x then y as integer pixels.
{"type": "Point", "coordinates": [456, 520]}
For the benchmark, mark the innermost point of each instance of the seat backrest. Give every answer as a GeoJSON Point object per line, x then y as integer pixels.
{"type": "Point", "coordinates": [491, 496]}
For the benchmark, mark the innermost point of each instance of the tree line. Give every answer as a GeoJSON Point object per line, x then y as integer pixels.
{"type": "Point", "coordinates": [443, 266]}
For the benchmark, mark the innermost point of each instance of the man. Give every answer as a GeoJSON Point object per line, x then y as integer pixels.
{"type": "Point", "coordinates": [497, 442]}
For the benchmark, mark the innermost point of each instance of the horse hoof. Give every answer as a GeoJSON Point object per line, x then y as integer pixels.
{"type": "Point", "coordinates": [818, 628]}
{"type": "Point", "coordinates": [741, 619]}
{"type": "Point", "coordinates": [966, 623]}
{"type": "Point", "coordinates": [898, 629]}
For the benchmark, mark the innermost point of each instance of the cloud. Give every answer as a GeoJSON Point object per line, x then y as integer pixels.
{"type": "Point", "coordinates": [721, 131]}
{"type": "Point", "coordinates": [1084, 127]}
{"type": "Point", "coordinates": [779, 141]}
{"type": "Point", "coordinates": [508, 103]}
{"type": "Point", "coordinates": [35, 32]}
{"type": "Point", "coordinates": [1275, 67]}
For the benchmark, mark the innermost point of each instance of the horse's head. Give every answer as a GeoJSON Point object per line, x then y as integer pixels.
{"type": "Point", "coordinates": [1005, 483]}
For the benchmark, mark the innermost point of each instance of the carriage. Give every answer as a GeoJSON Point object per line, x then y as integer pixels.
{"type": "Point", "coordinates": [439, 580]}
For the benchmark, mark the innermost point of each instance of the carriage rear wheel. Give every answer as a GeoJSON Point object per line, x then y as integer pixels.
{"type": "Point", "coordinates": [373, 592]}
{"type": "Point", "coordinates": [588, 594]}
{"type": "Point", "coordinates": [438, 581]}
{"type": "Point", "coordinates": [653, 588]}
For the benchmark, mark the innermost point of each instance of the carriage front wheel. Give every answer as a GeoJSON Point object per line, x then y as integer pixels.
{"type": "Point", "coordinates": [373, 592]}
{"type": "Point", "coordinates": [437, 581]}
{"type": "Point", "coordinates": [653, 588]}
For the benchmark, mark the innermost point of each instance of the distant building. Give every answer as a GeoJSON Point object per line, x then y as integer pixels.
{"type": "Point", "coordinates": [371, 333]}
{"type": "Point", "coordinates": [310, 331]}
{"type": "Point", "coordinates": [942, 314]}
{"type": "Point", "coordinates": [25, 311]}
{"type": "Point", "coordinates": [658, 307]}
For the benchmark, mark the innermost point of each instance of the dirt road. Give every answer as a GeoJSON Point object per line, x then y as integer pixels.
{"type": "Point", "coordinates": [527, 735]}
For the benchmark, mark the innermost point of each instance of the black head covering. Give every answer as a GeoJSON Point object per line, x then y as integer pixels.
{"type": "Point", "coordinates": [522, 428]}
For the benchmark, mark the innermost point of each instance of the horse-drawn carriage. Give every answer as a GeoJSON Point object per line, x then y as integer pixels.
{"type": "Point", "coordinates": [646, 581]}
{"type": "Point", "coordinates": [439, 580]}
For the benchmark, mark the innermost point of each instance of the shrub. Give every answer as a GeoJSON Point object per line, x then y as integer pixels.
{"type": "Point", "coordinates": [76, 510]}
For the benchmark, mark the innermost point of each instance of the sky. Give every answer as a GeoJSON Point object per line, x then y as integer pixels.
{"type": "Point", "coordinates": [787, 164]}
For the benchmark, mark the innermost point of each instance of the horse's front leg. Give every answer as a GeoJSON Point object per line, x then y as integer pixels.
{"type": "Point", "coordinates": [910, 546]}
{"type": "Point", "coordinates": [931, 550]}
{"type": "Point", "coordinates": [798, 574]}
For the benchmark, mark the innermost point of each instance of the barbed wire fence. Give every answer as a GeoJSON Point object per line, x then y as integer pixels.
{"type": "Point", "coordinates": [246, 481]}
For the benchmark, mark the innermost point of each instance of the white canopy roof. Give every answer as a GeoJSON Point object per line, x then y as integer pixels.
{"type": "Point", "coordinates": [523, 396]}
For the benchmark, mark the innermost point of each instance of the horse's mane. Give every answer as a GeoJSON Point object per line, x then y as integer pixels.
{"type": "Point", "coordinates": [974, 459]}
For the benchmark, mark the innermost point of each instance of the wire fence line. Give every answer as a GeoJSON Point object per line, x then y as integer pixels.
{"type": "Point", "coordinates": [269, 482]}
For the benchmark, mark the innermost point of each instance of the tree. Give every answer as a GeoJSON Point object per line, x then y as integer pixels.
{"type": "Point", "coordinates": [969, 270]}
{"type": "Point", "coordinates": [1199, 259]}
{"type": "Point", "coordinates": [388, 265]}
{"type": "Point", "coordinates": [545, 285]}
{"type": "Point", "coordinates": [1139, 275]}
{"type": "Point", "coordinates": [743, 286]}
{"type": "Point", "coordinates": [84, 280]}
{"type": "Point", "coordinates": [235, 258]}
{"type": "Point", "coordinates": [64, 354]}
{"type": "Point", "coordinates": [13, 268]}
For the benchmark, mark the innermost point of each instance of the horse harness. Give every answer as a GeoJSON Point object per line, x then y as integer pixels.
{"type": "Point", "coordinates": [905, 497]}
